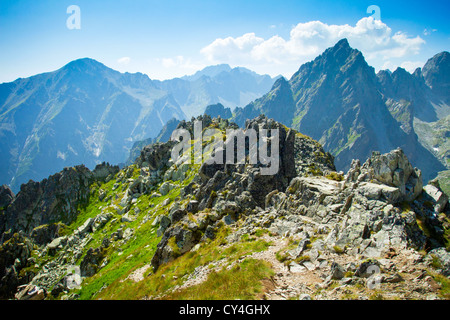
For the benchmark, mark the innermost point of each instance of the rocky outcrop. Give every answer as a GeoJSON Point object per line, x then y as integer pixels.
{"type": "Point", "coordinates": [14, 255]}
{"type": "Point", "coordinates": [6, 197]}
{"type": "Point", "coordinates": [91, 261]}
{"type": "Point", "coordinates": [344, 226]}
{"type": "Point", "coordinates": [391, 169]}
{"type": "Point", "coordinates": [233, 190]}
{"type": "Point", "coordinates": [55, 199]}
{"type": "Point", "coordinates": [218, 110]}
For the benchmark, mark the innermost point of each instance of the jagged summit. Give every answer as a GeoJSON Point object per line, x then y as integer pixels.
{"type": "Point", "coordinates": [339, 100]}
{"type": "Point", "coordinates": [209, 71]}
{"type": "Point", "coordinates": [436, 73]}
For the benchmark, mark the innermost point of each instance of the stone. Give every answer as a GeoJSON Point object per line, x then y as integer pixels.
{"type": "Point", "coordinates": [443, 258]}
{"type": "Point", "coordinates": [226, 207]}
{"type": "Point", "coordinates": [296, 268]}
{"type": "Point", "coordinates": [395, 278]}
{"type": "Point", "coordinates": [126, 218]}
{"type": "Point", "coordinates": [337, 271]}
{"type": "Point", "coordinates": [192, 206]}
{"type": "Point", "coordinates": [374, 191]}
{"type": "Point", "coordinates": [91, 261]}
{"type": "Point", "coordinates": [165, 188]}
{"type": "Point", "coordinates": [86, 227]}
{"type": "Point", "coordinates": [30, 292]}
{"type": "Point", "coordinates": [367, 268]}
{"type": "Point", "coordinates": [56, 244]}
{"type": "Point", "coordinates": [309, 265]}
{"type": "Point", "coordinates": [164, 223]}
{"type": "Point", "coordinates": [6, 196]}
{"type": "Point", "coordinates": [437, 196]}
{"type": "Point", "coordinates": [300, 248]}
{"type": "Point", "coordinates": [177, 215]}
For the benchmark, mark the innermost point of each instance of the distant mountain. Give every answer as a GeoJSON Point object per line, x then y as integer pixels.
{"type": "Point", "coordinates": [163, 136]}
{"type": "Point", "coordinates": [86, 113]}
{"type": "Point", "coordinates": [231, 87]}
{"type": "Point", "coordinates": [83, 113]}
{"type": "Point", "coordinates": [338, 100]}
{"type": "Point", "coordinates": [218, 110]}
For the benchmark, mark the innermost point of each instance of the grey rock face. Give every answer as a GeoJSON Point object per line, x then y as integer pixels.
{"type": "Point", "coordinates": [6, 196]}
{"type": "Point", "coordinates": [14, 254]}
{"type": "Point", "coordinates": [91, 262]}
{"type": "Point", "coordinates": [437, 196]}
{"type": "Point", "coordinates": [443, 258]}
{"type": "Point", "coordinates": [391, 169]}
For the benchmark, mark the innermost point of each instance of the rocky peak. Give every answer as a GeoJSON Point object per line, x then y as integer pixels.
{"type": "Point", "coordinates": [390, 169]}
{"type": "Point", "coordinates": [84, 65]}
{"type": "Point", "coordinates": [6, 197]}
{"type": "Point", "coordinates": [216, 110]}
{"type": "Point", "coordinates": [436, 73]}
{"type": "Point", "coordinates": [54, 199]}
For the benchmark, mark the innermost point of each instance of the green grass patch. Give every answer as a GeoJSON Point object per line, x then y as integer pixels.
{"type": "Point", "coordinates": [175, 272]}
{"type": "Point", "coordinates": [242, 281]}
{"type": "Point", "coordinates": [335, 176]}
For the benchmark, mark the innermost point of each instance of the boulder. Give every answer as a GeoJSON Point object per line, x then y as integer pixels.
{"type": "Point", "coordinates": [443, 259]}
{"type": "Point", "coordinates": [367, 268]}
{"type": "Point", "coordinates": [192, 206]}
{"type": "Point", "coordinates": [86, 226]}
{"type": "Point", "coordinates": [165, 188]}
{"type": "Point", "coordinates": [164, 223]}
{"type": "Point", "coordinates": [30, 292]}
{"type": "Point", "coordinates": [91, 262]}
{"type": "Point", "coordinates": [392, 169]}
{"type": "Point", "coordinates": [337, 271]}
{"type": "Point", "coordinates": [6, 196]}
{"type": "Point", "coordinates": [56, 245]}
{"type": "Point", "coordinates": [437, 196]}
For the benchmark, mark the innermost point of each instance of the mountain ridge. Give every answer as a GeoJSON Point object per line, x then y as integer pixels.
{"type": "Point", "coordinates": [163, 229]}
{"type": "Point", "coordinates": [93, 100]}
{"type": "Point", "coordinates": [340, 101]}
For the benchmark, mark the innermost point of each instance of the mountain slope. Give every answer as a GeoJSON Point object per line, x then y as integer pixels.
{"type": "Point", "coordinates": [76, 115]}
{"type": "Point", "coordinates": [86, 113]}
{"type": "Point", "coordinates": [160, 229]}
{"type": "Point", "coordinates": [339, 100]}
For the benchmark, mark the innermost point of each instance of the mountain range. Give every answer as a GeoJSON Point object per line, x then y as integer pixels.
{"type": "Point", "coordinates": [339, 100]}
{"type": "Point", "coordinates": [164, 230]}
{"type": "Point", "coordinates": [88, 113]}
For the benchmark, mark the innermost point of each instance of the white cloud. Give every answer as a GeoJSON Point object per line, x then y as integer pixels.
{"type": "Point", "coordinates": [124, 61]}
{"type": "Point", "coordinates": [372, 37]}
{"type": "Point", "coordinates": [427, 32]}
{"type": "Point", "coordinates": [173, 62]}
{"type": "Point", "coordinates": [411, 66]}
{"type": "Point", "coordinates": [178, 66]}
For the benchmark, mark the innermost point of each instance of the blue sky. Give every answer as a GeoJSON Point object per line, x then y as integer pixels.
{"type": "Point", "coordinates": [165, 39]}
